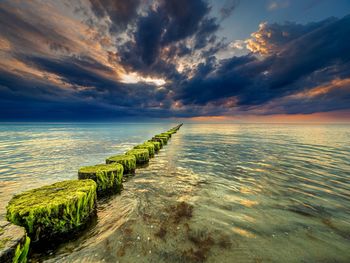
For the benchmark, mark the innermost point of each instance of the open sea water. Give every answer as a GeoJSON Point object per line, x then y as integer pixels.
{"type": "Point", "coordinates": [215, 193]}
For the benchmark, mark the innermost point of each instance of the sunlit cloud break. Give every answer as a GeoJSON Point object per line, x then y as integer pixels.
{"type": "Point", "coordinates": [106, 59]}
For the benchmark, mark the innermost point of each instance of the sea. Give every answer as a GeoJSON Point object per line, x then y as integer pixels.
{"type": "Point", "coordinates": [217, 192]}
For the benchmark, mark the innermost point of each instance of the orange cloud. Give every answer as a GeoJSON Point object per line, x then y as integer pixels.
{"type": "Point", "coordinates": [258, 43]}
{"type": "Point", "coordinates": [324, 89]}
{"type": "Point", "coordinates": [342, 116]}
{"type": "Point", "coordinates": [5, 45]}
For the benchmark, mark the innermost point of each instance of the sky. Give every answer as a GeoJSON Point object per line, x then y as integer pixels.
{"type": "Point", "coordinates": [255, 60]}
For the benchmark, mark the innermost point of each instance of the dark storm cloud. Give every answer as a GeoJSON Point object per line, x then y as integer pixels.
{"type": "Point", "coordinates": [317, 99]}
{"type": "Point", "coordinates": [24, 88]}
{"type": "Point", "coordinates": [108, 62]}
{"type": "Point", "coordinates": [206, 33]}
{"type": "Point", "coordinates": [42, 77]}
{"type": "Point", "coordinates": [148, 36]}
{"type": "Point", "coordinates": [86, 82]}
{"type": "Point", "coordinates": [294, 60]}
{"type": "Point", "coordinates": [89, 95]}
{"type": "Point", "coordinates": [26, 34]}
{"type": "Point", "coordinates": [273, 38]}
{"type": "Point", "coordinates": [167, 26]}
{"type": "Point", "coordinates": [230, 78]}
{"type": "Point", "coordinates": [184, 18]}
{"type": "Point", "coordinates": [46, 110]}
{"type": "Point", "coordinates": [77, 71]}
{"type": "Point", "coordinates": [121, 13]}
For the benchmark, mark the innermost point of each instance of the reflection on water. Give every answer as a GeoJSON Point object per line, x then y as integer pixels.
{"type": "Point", "coordinates": [216, 193]}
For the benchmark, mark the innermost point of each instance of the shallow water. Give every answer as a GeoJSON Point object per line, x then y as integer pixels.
{"type": "Point", "coordinates": [215, 193]}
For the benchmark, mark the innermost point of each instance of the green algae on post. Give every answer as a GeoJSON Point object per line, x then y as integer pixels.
{"type": "Point", "coordinates": [141, 155]}
{"type": "Point", "coordinates": [128, 162]}
{"type": "Point", "coordinates": [168, 134]}
{"type": "Point", "coordinates": [162, 137]}
{"type": "Point", "coordinates": [54, 210]}
{"type": "Point", "coordinates": [147, 145]}
{"type": "Point", "coordinates": [14, 243]}
{"type": "Point", "coordinates": [157, 140]}
{"type": "Point", "coordinates": [107, 176]}
{"type": "Point", "coordinates": [163, 140]}
{"type": "Point", "coordinates": [21, 252]}
{"type": "Point", "coordinates": [156, 144]}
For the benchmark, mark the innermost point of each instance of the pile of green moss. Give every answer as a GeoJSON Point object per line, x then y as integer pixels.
{"type": "Point", "coordinates": [162, 137]}
{"type": "Point", "coordinates": [21, 252]}
{"type": "Point", "coordinates": [167, 134]}
{"type": "Point", "coordinates": [157, 140]}
{"type": "Point", "coordinates": [54, 210]}
{"type": "Point", "coordinates": [107, 176]}
{"type": "Point", "coordinates": [147, 145]}
{"type": "Point", "coordinates": [156, 144]}
{"type": "Point", "coordinates": [128, 162]}
{"type": "Point", "coordinates": [141, 155]}
{"type": "Point", "coordinates": [14, 243]}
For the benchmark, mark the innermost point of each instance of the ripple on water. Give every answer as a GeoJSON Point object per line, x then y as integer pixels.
{"type": "Point", "coordinates": [215, 193]}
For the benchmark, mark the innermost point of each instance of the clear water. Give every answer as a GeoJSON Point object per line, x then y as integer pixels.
{"type": "Point", "coordinates": [215, 193]}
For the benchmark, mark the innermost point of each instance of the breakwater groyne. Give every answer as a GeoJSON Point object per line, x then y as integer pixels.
{"type": "Point", "coordinates": [60, 210]}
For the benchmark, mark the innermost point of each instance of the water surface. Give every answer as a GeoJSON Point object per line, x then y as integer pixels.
{"type": "Point", "coordinates": [215, 193]}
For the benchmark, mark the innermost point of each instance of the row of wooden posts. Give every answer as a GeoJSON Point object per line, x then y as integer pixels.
{"type": "Point", "coordinates": [53, 212]}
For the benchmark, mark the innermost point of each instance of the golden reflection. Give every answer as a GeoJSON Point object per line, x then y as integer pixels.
{"type": "Point", "coordinates": [248, 203]}
{"type": "Point", "coordinates": [302, 192]}
{"type": "Point", "coordinates": [249, 190]}
{"type": "Point", "coordinates": [242, 232]}
{"type": "Point", "coordinates": [187, 198]}
{"type": "Point", "coordinates": [259, 170]}
{"type": "Point", "coordinates": [245, 190]}
{"type": "Point", "coordinates": [339, 116]}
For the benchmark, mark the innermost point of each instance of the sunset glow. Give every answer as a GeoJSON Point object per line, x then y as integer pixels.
{"type": "Point", "coordinates": [106, 59]}
{"type": "Point", "coordinates": [135, 78]}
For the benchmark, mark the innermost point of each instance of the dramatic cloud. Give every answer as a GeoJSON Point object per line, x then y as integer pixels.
{"type": "Point", "coordinates": [168, 32]}
{"type": "Point", "coordinates": [103, 59]}
{"type": "Point", "coordinates": [293, 58]}
{"type": "Point", "coordinates": [120, 13]}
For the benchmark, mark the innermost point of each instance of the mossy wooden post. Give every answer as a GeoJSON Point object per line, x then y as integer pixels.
{"type": "Point", "coordinates": [54, 211]}
{"type": "Point", "coordinates": [14, 243]}
{"type": "Point", "coordinates": [156, 144]}
{"type": "Point", "coordinates": [176, 128]}
{"type": "Point", "coordinates": [128, 162]}
{"type": "Point", "coordinates": [157, 140]}
{"type": "Point", "coordinates": [163, 138]}
{"type": "Point", "coordinates": [107, 176]}
{"type": "Point", "coordinates": [147, 145]}
{"type": "Point", "coordinates": [141, 155]}
{"type": "Point", "coordinates": [168, 134]}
